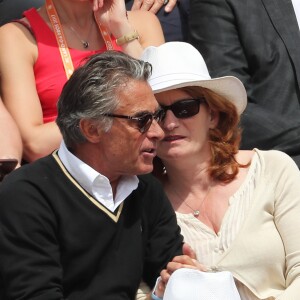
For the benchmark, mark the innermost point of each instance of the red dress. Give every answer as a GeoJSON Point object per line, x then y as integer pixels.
{"type": "Point", "coordinates": [50, 75]}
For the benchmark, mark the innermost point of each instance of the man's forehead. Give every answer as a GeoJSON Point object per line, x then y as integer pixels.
{"type": "Point", "coordinates": [138, 95]}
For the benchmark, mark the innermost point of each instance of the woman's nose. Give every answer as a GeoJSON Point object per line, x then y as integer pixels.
{"type": "Point", "coordinates": [170, 121]}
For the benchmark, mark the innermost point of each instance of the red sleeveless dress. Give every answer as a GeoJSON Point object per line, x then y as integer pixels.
{"type": "Point", "coordinates": [49, 71]}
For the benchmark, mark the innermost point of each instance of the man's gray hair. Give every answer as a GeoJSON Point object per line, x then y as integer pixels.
{"type": "Point", "coordinates": [92, 91]}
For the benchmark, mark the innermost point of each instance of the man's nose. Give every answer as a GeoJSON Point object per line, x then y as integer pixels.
{"type": "Point", "coordinates": [155, 131]}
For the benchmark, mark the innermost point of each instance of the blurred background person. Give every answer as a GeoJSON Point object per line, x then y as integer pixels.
{"type": "Point", "coordinates": [172, 14]}
{"type": "Point", "coordinates": [257, 41]}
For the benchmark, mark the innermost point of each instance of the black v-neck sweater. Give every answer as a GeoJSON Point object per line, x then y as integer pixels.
{"type": "Point", "coordinates": [58, 242]}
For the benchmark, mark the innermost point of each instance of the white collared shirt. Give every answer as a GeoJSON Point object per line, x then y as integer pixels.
{"type": "Point", "coordinates": [296, 4]}
{"type": "Point", "coordinates": [95, 183]}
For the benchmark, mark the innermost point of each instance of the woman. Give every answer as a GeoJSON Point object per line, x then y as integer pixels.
{"type": "Point", "coordinates": [239, 210]}
{"type": "Point", "coordinates": [34, 61]}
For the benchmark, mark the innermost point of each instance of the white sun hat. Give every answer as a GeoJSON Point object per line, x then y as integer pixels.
{"type": "Point", "coordinates": [178, 64]}
{"type": "Point", "coordinates": [196, 285]}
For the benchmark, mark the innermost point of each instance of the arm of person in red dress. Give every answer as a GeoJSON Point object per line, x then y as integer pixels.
{"type": "Point", "coordinates": [18, 53]}
{"type": "Point", "coordinates": [10, 139]}
{"type": "Point", "coordinates": [112, 14]}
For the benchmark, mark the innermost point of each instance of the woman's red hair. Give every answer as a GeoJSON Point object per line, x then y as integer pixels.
{"type": "Point", "coordinates": [224, 139]}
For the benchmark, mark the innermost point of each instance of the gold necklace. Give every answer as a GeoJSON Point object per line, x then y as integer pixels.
{"type": "Point", "coordinates": [85, 43]}
{"type": "Point", "coordinates": [196, 212]}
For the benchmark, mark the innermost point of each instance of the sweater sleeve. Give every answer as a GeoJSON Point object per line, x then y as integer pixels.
{"type": "Point", "coordinates": [163, 238]}
{"type": "Point", "coordinates": [29, 253]}
{"type": "Point", "coordinates": [287, 220]}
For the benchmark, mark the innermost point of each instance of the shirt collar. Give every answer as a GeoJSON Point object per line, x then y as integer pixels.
{"type": "Point", "coordinates": [95, 183]}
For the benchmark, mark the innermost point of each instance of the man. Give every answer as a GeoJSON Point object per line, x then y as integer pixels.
{"type": "Point", "coordinates": [257, 41]}
{"type": "Point", "coordinates": [79, 224]}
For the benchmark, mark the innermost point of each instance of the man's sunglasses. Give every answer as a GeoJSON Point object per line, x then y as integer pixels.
{"type": "Point", "coordinates": [184, 108]}
{"type": "Point", "coordinates": [143, 121]}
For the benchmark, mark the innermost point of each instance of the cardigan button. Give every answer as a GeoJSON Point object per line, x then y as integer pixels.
{"type": "Point", "coordinates": [214, 269]}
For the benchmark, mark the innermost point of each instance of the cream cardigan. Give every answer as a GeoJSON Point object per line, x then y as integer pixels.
{"type": "Point", "coordinates": [265, 255]}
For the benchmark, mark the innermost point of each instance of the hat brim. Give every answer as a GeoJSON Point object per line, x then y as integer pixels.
{"type": "Point", "coordinates": [231, 88]}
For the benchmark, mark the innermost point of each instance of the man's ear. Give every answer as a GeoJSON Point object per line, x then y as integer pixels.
{"type": "Point", "coordinates": [90, 130]}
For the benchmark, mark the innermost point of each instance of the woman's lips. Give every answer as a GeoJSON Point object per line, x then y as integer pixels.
{"type": "Point", "coordinates": [171, 138]}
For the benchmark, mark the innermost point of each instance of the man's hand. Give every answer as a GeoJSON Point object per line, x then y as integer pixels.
{"type": "Point", "coordinates": [187, 260]}
{"type": "Point", "coordinates": [154, 5]}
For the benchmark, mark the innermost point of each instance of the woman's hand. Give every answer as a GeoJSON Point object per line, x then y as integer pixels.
{"type": "Point", "coordinates": [110, 11]}
{"type": "Point", "coordinates": [113, 15]}
{"type": "Point", "coordinates": [97, 4]}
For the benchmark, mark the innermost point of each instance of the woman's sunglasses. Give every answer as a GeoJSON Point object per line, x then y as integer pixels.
{"type": "Point", "coordinates": [183, 109]}
{"type": "Point", "coordinates": [144, 121]}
